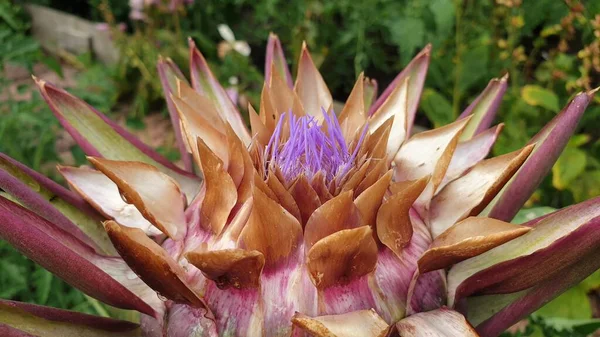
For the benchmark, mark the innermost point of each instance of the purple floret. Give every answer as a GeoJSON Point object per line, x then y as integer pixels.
{"type": "Point", "coordinates": [309, 148]}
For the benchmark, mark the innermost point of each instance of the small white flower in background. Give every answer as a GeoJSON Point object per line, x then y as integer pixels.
{"type": "Point", "coordinates": [230, 42]}
{"type": "Point", "coordinates": [233, 81]}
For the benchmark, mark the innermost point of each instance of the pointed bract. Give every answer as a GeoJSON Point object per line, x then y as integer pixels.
{"type": "Point", "coordinates": [206, 84]}
{"type": "Point", "coordinates": [557, 242]}
{"type": "Point", "coordinates": [29, 318]}
{"type": "Point", "coordinates": [99, 136]}
{"type": "Point", "coordinates": [550, 142]}
{"type": "Point", "coordinates": [415, 71]}
{"type": "Point", "coordinates": [276, 58]}
{"type": "Point", "coordinates": [169, 73]}
{"type": "Point", "coordinates": [310, 86]}
{"type": "Point", "coordinates": [70, 259]}
{"type": "Point", "coordinates": [484, 107]}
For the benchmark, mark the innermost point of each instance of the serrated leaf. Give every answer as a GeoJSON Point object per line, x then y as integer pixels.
{"type": "Point", "coordinates": [538, 96]}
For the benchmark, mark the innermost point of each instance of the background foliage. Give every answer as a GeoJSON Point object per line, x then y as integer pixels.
{"type": "Point", "coordinates": [549, 48]}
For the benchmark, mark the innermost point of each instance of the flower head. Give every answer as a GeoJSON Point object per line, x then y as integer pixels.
{"type": "Point", "coordinates": [309, 223]}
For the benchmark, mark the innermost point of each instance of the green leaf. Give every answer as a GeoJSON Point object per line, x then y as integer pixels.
{"type": "Point", "coordinates": [574, 303]}
{"type": "Point", "coordinates": [587, 185]}
{"type": "Point", "coordinates": [54, 65]}
{"type": "Point", "coordinates": [571, 304]}
{"type": "Point", "coordinates": [443, 15]}
{"type": "Point", "coordinates": [436, 107]}
{"type": "Point", "coordinates": [581, 326]}
{"type": "Point", "coordinates": [529, 214]}
{"type": "Point", "coordinates": [568, 167]}
{"type": "Point", "coordinates": [578, 140]}
{"type": "Point", "coordinates": [538, 96]}
{"type": "Point", "coordinates": [43, 283]}
{"type": "Point", "coordinates": [474, 65]}
{"type": "Point", "coordinates": [407, 34]}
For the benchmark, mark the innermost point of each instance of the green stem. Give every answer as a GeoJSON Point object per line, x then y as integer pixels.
{"type": "Point", "coordinates": [100, 309]}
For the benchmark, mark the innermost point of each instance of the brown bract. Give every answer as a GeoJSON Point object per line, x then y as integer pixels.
{"type": "Point", "coordinates": [342, 257]}
{"type": "Point", "coordinates": [259, 131]}
{"type": "Point", "coordinates": [154, 194]}
{"type": "Point", "coordinates": [235, 268]}
{"type": "Point", "coordinates": [310, 86]}
{"type": "Point", "coordinates": [305, 196]}
{"type": "Point", "coordinates": [283, 196]}
{"type": "Point", "coordinates": [353, 115]}
{"type": "Point", "coordinates": [394, 228]}
{"type": "Point", "coordinates": [395, 107]}
{"type": "Point", "coordinates": [220, 192]}
{"type": "Point", "coordinates": [468, 238]}
{"type": "Point", "coordinates": [236, 157]}
{"type": "Point", "coordinates": [334, 215]}
{"type": "Point", "coordinates": [194, 125]}
{"type": "Point", "coordinates": [471, 193]}
{"type": "Point", "coordinates": [271, 230]}
{"type": "Point", "coordinates": [152, 263]}
{"type": "Point", "coordinates": [369, 201]}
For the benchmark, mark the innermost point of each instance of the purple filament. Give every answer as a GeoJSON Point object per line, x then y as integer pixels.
{"type": "Point", "coordinates": [309, 149]}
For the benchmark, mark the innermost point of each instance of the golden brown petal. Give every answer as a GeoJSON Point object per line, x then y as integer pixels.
{"type": "Point", "coordinates": [256, 154]}
{"type": "Point", "coordinates": [334, 215]}
{"type": "Point", "coordinates": [235, 268]}
{"type": "Point", "coordinates": [353, 115]}
{"type": "Point", "coordinates": [370, 200]}
{"type": "Point", "coordinates": [471, 193]}
{"type": "Point", "coordinates": [262, 185]}
{"type": "Point", "coordinates": [428, 153]}
{"type": "Point", "coordinates": [363, 323]}
{"type": "Point", "coordinates": [310, 86]}
{"type": "Point", "coordinates": [201, 105]}
{"type": "Point", "coordinates": [396, 107]}
{"type": "Point", "coordinates": [319, 185]}
{"type": "Point", "coordinates": [152, 263]}
{"type": "Point", "coordinates": [283, 97]}
{"type": "Point", "coordinates": [236, 158]}
{"type": "Point", "coordinates": [342, 257]}
{"type": "Point", "coordinates": [379, 140]}
{"type": "Point", "coordinates": [153, 193]}
{"type": "Point", "coordinates": [271, 230]}
{"type": "Point", "coordinates": [306, 197]}
{"type": "Point", "coordinates": [284, 197]}
{"type": "Point", "coordinates": [355, 179]}
{"type": "Point", "coordinates": [394, 228]}
{"type": "Point", "coordinates": [259, 130]}
{"type": "Point", "coordinates": [220, 192]}
{"type": "Point", "coordinates": [468, 238]}
{"type": "Point", "coordinates": [193, 125]}
{"type": "Point", "coordinates": [376, 170]}
{"type": "Point", "coordinates": [268, 113]}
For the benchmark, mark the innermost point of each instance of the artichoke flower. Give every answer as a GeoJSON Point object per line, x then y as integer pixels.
{"type": "Point", "coordinates": [312, 223]}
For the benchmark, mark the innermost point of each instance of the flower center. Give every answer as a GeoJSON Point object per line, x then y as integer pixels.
{"type": "Point", "coordinates": [310, 147]}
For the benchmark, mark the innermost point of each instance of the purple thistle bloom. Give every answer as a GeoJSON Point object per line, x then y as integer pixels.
{"type": "Point", "coordinates": [311, 147]}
